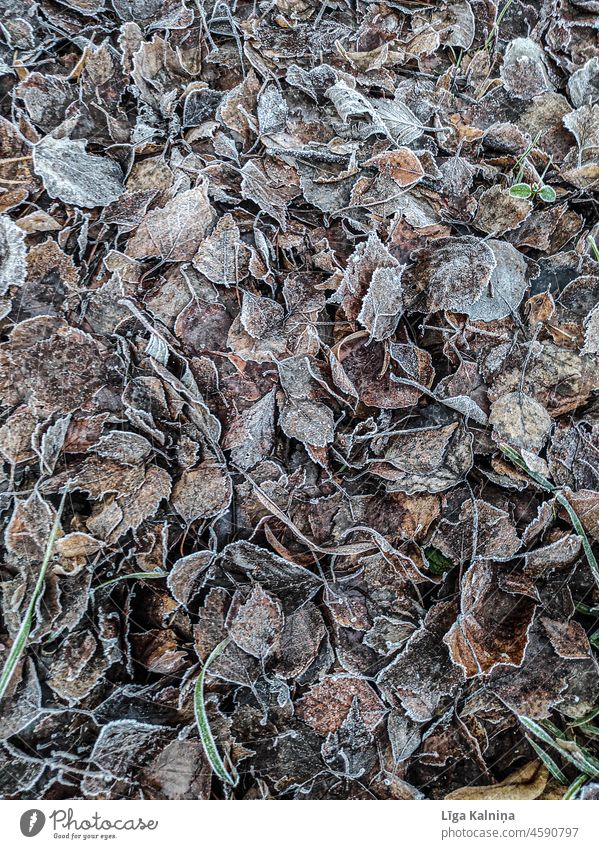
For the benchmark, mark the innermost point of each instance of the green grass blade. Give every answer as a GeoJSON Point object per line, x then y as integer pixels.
{"type": "Point", "coordinates": [537, 730]}
{"type": "Point", "coordinates": [553, 729]}
{"type": "Point", "coordinates": [575, 787]}
{"type": "Point", "coordinates": [132, 576]}
{"type": "Point", "coordinates": [589, 717]}
{"type": "Point", "coordinates": [590, 730]}
{"type": "Point", "coordinates": [577, 525]}
{"type": "Point", "coordinates": [568, 749]}
{"type": "Point", "coordinates": [495, 30]}
{"type": "Point", "coordinates": [206, 737]}
{"type": "Point", "coordinates": [582, 760]}
{"type": "Point", "coordinates": [518, 461]}
{"type": "Point", "coordinates": [581, 607]}
{"type": "Point", "coordinates": [20, 640]}
{"type": "Point", "coordinates": [548, 761]}
{"type": "Point", "coordinates": [582, 763]}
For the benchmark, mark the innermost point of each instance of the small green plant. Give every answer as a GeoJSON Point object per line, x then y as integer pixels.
{"type": "Point", "coordinates": [533, 190]}
{"type": "Point", "coordinates": [594, 248]}
{"type": "Point", "coordinates": [438, 563]}
{"type": "Point", "coordinates": [520, 189]}
{"type": "Point", "coordinates": [206, 736]}
{"type": "Point", "coordinates": [20, 640]}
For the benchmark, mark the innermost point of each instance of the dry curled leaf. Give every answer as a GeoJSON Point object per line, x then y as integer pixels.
{"type": "Point", "coordinates": [527, 782]}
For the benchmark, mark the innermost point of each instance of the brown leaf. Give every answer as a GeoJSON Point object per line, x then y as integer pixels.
{"type": "Point", "coordinates": [401, 165]}
{"type": "Point", "coordinates": [527, 782]}
{"type": "Point", "coordinates": [326, 705]}
{"type": "Point", "coordinates": [202, 492]}
{"type": "Point", "coordinates": [175, 232]}
{"type": "Point", "coordinates": [492, 628]}
{"type": "Point", "coordinates": [256, 623]}
{"type": "Point", "coordinates": [520, 421]}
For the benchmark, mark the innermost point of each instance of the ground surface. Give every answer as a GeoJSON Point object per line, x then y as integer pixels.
{"type": "Point", "coordinates": [299, 315]}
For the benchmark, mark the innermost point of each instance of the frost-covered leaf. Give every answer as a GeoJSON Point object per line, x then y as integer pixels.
{"type": "Point", "coordinates": [175, 232]}
{"type": "Point", "coordinates": [75, 176]}
{"type": "Point", "coordinates": [454, 273]}
{"type": "Point", "coordinates": [222, 257]}
{"type": "Point", "coordinates": [201, 492]}
{"type": "Point", "coordinates": [521, 421]}
{"type": "Point", "coordinates": [12, 254]}
{"type": "Point", "coordinates": [524, 71]}
{"type": "Point", "coordinates": [506, 287]}
{"type": "Point", "coordinates": [401, 165]}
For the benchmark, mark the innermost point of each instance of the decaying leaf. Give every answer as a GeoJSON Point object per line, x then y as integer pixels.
{"type": "Point", "coordinates": [488, 635]}
{"type": "Point", "coordinates": [75, 176]}
{"type": "Point", "coordinates": [454, 274]}
{"type": "Point", "coordinates": [327, 704]}
{"type": "Point", "coordinates": [528, 782]}
{"type": "Point", "coordinates": [299, 426]}
{"type": "Point", "coordinates": [520, 421]}
{"type": "Point", "coordinates": [12, 254]}
{"type": "Point", "coordinates": [201, 492]}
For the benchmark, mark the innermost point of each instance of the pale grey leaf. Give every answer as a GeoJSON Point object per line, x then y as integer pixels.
{"type": "Point", "coordinates": [75, 176]}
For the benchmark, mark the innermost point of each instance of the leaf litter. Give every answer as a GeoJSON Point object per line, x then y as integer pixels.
{"type": "Point", "coordinates": [300, 428]}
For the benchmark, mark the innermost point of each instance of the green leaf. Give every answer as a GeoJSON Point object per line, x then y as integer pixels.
{"type": "Point", "coordinates": [206, 737]}
{"type": "Point", "coordinates": [547, 193]}
{"type": "Point", "coordinates": [438, 563]}
{"type": "Point", "coordinates": [520, 190]}
{"type": "Point", "coordinates": [20, 640]}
